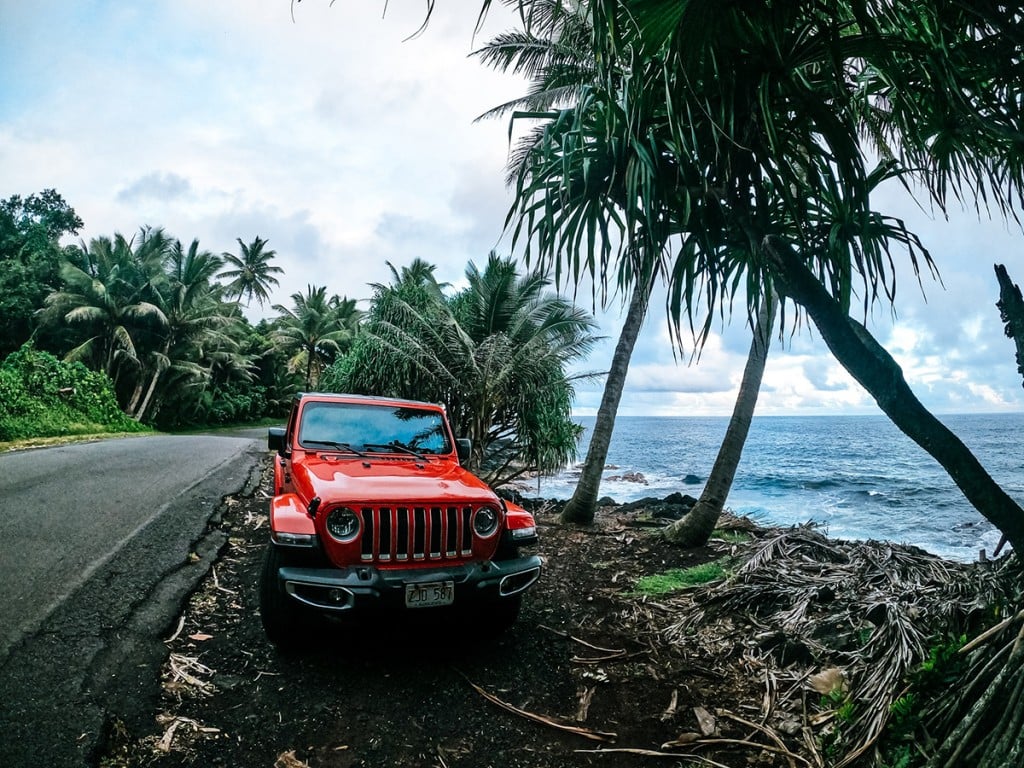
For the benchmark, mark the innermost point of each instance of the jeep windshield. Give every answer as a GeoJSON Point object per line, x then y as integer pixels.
{"type": "Point", "coordinates": [355, 427]}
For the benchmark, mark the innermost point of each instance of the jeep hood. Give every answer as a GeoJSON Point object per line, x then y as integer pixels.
{"type": "Point", "coordinates": [382, 480]}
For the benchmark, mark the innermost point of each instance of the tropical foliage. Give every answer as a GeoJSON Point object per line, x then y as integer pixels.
{"type": "Point", "coordinates": [30, 259]}
{"type": "Point", "coordinates": [42, 396]}
{"type": "Point", "coordinates": [739, 130]}
{"type": "Point", "coordinates": [495, 353]}
{"type": "Point", "coordinates": [161, 321]}
{"type": "Point", "coordinates": [316, 330]}
{"type": "Point", "coordinates": [151, 314]}
{"type": "Point", "coordinates": [250, 273]}
{"type": "Point", "coordinates": [755, 134]}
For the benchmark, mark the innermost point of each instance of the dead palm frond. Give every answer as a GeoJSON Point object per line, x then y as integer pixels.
{"type": "Point", "coordinates": [870, 609]}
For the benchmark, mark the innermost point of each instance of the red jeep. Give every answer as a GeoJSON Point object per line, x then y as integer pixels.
{"type": "Point", "coordinates": [373, 509]}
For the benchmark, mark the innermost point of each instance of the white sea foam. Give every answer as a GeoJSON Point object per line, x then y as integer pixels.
{"type": "Point", "coordinates": [856, 475]}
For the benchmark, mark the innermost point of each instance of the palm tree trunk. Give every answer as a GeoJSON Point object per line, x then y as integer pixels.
{"type": "Point", "coordinates": [881, 376]}
{"type": "Point", "coordinates": [695, 528]}
{"type": "Point", "coordinates": [1011, 310]}
{"type": "Point", "coordinates": [149, 394]}
{"type": "Point", "coordinates": [136, 396]}
{"type": "Point", "coordinates": [583, 504]}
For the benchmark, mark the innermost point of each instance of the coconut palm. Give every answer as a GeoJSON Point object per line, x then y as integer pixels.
{"type": "Point", "coordinates": [418, 275]}
{"type": "Point", "coordinates": [316, 329]}
{"type": "Point", "coordinates": [371, 366]}
{"type": "Point", "coordinates": [516, 338]}
{"type": "Point", "coordinates": [495, 354]}
{"type": "Point", "coordinates": [108, 293]}
{"type": "Point", "coordinates": [250, 274]}
{"type": "Point", "coordinates": [191, 301]}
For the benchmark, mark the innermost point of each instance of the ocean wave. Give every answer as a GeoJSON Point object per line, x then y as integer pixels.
{"type": "Point", "coordinates": [859, 476]}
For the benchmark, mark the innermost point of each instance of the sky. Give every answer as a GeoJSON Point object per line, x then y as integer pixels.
{"type": "Point", "coordinates": [324, 129]}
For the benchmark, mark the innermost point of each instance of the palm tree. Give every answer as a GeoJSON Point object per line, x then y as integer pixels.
{"type": "Point", "coordinates": [582, 505]}
{"type": "Point", "coordinates": [252, 274]}
{"type": "Point", "coordinates": [418, 275]}
{"type": "Point", "coordinates": [516, 336]}
{"type": "Point", "coordinates": [695, 528]}
{"type": "Point", "coordinates": [191, 301]}
{"type": "Point", "coordinates": [495, 354]}
{"type": "Point", "coordinates": [108, 292]}
{"type": "Point", "coordinates": [316, 329]}
{"type": "Point", "coordinates": [743, 126]}
{"type": "Point", "coordinates": [556, 53]}
{"type": "Point", "coordinates": [371, 366]}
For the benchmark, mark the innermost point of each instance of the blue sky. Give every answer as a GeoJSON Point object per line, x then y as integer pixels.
{"type": "Point", "coordinates": [346, 146]}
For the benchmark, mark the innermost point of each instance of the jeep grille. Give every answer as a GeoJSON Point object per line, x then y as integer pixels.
{"type": "Point", "coordinates": [416, 533]}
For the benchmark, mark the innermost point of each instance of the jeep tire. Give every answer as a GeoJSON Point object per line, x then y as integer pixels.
{"type": "Point", "coordinates": [501, 615]}
{"type": "Point", "coordinates": [284, 621]}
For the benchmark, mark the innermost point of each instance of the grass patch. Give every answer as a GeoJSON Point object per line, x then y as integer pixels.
{"type": "Point", "coordinates": [47, 442]}
{"type": "Point", "coordinates": [680, 578]}
{"type": "Point", "coordinates": [731, 536]}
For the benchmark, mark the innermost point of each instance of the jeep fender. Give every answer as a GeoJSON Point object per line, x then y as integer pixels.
{"type": "Point", "coordinates": [517, 518]}
{"type": "Point", "coordinates": [288, 515]}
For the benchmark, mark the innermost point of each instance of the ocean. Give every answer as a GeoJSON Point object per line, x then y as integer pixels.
{"type": "Point", "coordinates": [858, 477]}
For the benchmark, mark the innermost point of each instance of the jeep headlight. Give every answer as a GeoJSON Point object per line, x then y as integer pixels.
{"type": "Point", "coordinates": [342, 524]}
{"type": "Point", "coordinates": [286, 539]}
{"type": "Point", "coordinates": [485, 522]}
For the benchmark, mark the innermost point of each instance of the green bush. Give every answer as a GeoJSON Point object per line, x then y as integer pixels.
{"type": "Point", "coordinates": [41, 396]}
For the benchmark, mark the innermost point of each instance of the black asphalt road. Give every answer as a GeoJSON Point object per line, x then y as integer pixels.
{"type": "Point", "coordinates": [97, 551]}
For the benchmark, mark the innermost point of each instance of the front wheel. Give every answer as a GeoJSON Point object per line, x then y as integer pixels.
{"type": "Point", "coordinates": [502, 614]}
{"type": "Point", "coordinates": [284, 621]}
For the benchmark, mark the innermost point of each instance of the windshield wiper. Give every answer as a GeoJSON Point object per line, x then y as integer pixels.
{"type": "Point", "coordinates": [336, 446]}
{"type": "Point", "coordinates": [395, 445]}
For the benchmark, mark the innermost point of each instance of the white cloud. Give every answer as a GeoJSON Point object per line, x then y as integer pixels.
{"type": "Point", "coordinates": [346, 145]}
{"type": "Point", "coordinates": [162, 186]}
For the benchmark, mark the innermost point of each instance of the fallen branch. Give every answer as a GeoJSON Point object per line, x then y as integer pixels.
{"type": "Point", "coordinates": [651, 753]}
{"type": "Point", "coordinates": [586, 733]}
{"type": "Point", "coordinates": [673, 703]}
{"type": "Point", "coordinates": [181, 626]}
{"type": "Point", "coordinates": [175, 722]}
{"type": "Point", "coordinates": [181, 669]}
{"type": "Point", "coordinates": [598, 648]}
{"type": "Point", "coordinates": [586, 696]}
{"type": "Point", "coordinates": [984, 636]}
{"type": "Point", "coordinates": [751, 744]}
{"type": "Point", "coordinates": [790, 756]}
{"type": "Point", "coordinates": [600, 659]}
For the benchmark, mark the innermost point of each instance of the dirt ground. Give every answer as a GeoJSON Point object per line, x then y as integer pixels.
{"type": "Point", "coordinates": [585, 678]}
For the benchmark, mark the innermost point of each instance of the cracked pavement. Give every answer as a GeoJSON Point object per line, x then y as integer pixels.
{"type": "Point", "coordinates": [81, 635]}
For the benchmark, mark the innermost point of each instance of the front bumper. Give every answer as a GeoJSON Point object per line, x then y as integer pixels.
{"type": "Point", "coordinates": [366, 587]}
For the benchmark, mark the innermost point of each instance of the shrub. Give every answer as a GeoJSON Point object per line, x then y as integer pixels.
{"type": "Point", "coordinates": [41, 396]}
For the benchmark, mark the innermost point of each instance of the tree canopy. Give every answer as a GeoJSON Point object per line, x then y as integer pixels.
{"type": "Point", "coordinates": [31, 229]}
{"type": "Point", "coordinates": [495, 354]}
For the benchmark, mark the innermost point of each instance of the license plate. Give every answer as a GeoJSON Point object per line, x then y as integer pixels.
{"type": "Point", "coordinates": [429, 594]}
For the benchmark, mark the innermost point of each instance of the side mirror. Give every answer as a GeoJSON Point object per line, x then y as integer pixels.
{"type": "Point", "coordinates": [275, 439]}
{"type": "Point", "coordinates": [463, 447]}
